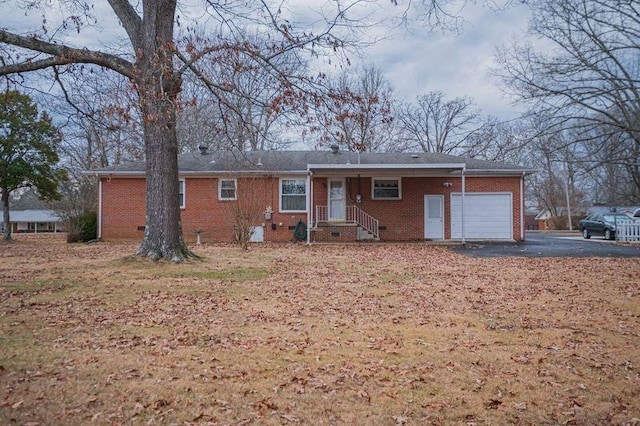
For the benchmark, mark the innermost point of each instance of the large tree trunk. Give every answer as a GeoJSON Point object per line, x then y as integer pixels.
{"type": "Point", "coordinates": [163, 232]}
{"type": "Point", "coordinates": [158, 87]}
{"type": "Point", "coordinates": [6, 234]}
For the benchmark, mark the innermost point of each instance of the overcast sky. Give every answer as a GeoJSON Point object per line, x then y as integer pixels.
{"type": "Point", "coordinates": [415, 62]}
{"type": "Point", "coordinates": [456, 64]}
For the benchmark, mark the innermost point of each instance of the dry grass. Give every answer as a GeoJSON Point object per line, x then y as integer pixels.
{"type": "Point", "coordinates": [371, 334]}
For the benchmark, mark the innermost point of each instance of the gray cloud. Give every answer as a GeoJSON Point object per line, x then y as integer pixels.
{"type": "Point", "coordinates": [457, 64]}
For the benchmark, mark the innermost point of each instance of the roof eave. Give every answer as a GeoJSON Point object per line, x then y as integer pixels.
{"type": "Point", "coordinates": [500, 172]}
{"type": "Point", "coordinates": [405, 166]}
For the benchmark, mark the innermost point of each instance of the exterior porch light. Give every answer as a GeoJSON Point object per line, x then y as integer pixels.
{"type": "Point", "coordinates": [447, 184]}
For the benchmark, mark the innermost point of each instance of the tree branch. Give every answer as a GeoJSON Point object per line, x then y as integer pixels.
{"type": "Point", "coordinates": [130, 19]}
{"type": "Point", "coordinates": [61, 55]}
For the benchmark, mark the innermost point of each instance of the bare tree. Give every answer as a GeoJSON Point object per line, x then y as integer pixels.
{"type": "Point", "coordinates": [356, 111]}
{"type": "Point", "coordinates": [497, 140]}
{"type": "Point", "coordinates": [150, 65]}
{"type": "Point", "coordinates": [250, 110]}
{"type": "Point", "coordinates": [560, 182]}
{"type": "Point", "coordinates": [154, 62]}
{"type": "Point", "coordinates": [612, 161]}
{"type": "Point", "coordinates": [103, 124]}
{"type": "Point", "coordinates": [76, 207]}
{"type": "Point", "coordinates": [432, 124]}
{"type": "Point", "coordinates": [588, 75]}
{"type": "Point", "coordinates": [248, 209]}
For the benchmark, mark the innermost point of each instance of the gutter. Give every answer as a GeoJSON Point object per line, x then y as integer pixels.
{"type": "Point", "coordinates": [204, 174]}
{"type": "Point", "coordinates": [407, 166]}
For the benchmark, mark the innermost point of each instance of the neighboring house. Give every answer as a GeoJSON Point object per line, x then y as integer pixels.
{"type": "Point", "coordinates": [628, 210]}
{"type": "Point", "coordinates": [32, 221]}
{"type": "Point", "coordinates": [545, 215]}
{"type": "Point", "coordinates": [340, 196]}
{"type": "Point", "coordinates": [530, 220]}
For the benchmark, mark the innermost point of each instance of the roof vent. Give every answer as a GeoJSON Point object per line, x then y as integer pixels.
{"type": "Point", "coordinates": [203, 149]}
{"type": "Point", "coordinates": [335, 148]}
{"type": "Point", "coordinates": [414, 155]}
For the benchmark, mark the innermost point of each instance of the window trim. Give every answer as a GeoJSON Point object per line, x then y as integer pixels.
{"type": "Point", "coordinates": [373, 188]}
{"type": "Point", "coordinates": [183, 203]}
{"type": "Point", "coordinates": [235, 189]}
{"type": "Point", "coordinates": [306, 194]}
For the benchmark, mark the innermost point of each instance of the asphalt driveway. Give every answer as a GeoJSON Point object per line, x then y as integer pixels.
{"type": "Point", "coordinates": [539, 244]}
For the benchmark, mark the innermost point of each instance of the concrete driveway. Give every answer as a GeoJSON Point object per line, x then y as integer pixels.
{"type": "Point", "coordinates": [540, 244]}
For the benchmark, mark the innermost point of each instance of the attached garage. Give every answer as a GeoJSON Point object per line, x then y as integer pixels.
{"type": "Point", "coordinates": [487, 216]}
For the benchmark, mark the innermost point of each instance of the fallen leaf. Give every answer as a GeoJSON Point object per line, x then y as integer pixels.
{"type": "Point", "coordinates": [400, 420]}
{"type": "Point", "coordinates": [493, 404]}
{"type": "Point", "coordinates": [291, 418]}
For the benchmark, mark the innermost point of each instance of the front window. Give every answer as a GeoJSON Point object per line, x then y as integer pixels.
{"type": "Point", "coordinates": [181, 193]}
{"type": "Point", "coordinates": [227, 189]}
{"type": "Point", "coordinates": [386, 189]}
{"type": "Point", "coordinates": [293, 195]}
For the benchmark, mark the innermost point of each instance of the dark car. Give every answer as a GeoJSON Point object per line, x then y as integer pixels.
{"type": "Point", "coordinates": [602, 224]}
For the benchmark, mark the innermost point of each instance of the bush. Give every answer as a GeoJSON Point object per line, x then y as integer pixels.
{"type": "Point", "coordinates": [83, 228]}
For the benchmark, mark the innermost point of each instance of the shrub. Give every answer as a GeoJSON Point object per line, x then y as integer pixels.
{"type": "Point", "coordinates": [83, 227]}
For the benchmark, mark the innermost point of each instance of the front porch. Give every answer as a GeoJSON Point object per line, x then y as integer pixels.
{"type": "Point", "coordinates": [352, 224]}
{"type": "Point", "coordinates": [380, 202]}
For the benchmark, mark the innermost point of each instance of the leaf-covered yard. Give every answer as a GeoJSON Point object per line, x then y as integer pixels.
{"type": "Point", "coordinates": [357, 334]}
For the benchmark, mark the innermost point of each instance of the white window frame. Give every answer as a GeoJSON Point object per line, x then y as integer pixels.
{"type": "Point", "coordinates": [306, 193]}
{"type": "Point", "coordinates": [183, 199]}
{"type": "Point", "coordinates": [235, 189]}
{"type": "Point", "coordinates": [373, 188]}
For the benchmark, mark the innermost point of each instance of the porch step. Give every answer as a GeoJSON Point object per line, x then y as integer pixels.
{"type": "Point", "coordinates": [362, 234]}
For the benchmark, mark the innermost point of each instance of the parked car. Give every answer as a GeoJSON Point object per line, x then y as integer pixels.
{"type": "Point", "coordinates": [601, 224]}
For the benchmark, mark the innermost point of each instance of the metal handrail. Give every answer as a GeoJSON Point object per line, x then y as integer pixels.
{"type": "Point", "coordinates": [354, 214]}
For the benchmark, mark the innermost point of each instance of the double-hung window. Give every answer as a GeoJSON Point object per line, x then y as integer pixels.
{"type": "Point", "coordinates": [181, 197]}
{"type": "Point", "coordinates": [386, 189]}
{"type": "Point", "coordinates": [227, 189]}
{"type": "Point", "coordinates": [293, 195]}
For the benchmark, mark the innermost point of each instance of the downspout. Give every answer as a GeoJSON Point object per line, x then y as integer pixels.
{"type": "Point", "coordinates": [464, 189]}
{"type": "Point", "coordinates": [309, 204]}
{"type": "Point", "coordinates": [522, 235]}
{"type": "Point", "coordinates": [99, 236]}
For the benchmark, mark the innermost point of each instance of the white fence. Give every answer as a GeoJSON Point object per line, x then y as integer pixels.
{"type": "Point", "coordinates": [628, 232]}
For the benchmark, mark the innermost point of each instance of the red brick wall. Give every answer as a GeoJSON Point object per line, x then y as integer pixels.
{"type": "Point", "coordinates": [404, 219]}
{"type": "Point", "coordinates": [123, 206]}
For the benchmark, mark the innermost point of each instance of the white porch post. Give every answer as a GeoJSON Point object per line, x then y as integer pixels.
{"type": "Point", "coordinates": [522, 231]}
{"type": "Point", "coordinates": [99, 236]}
{"type": "Point", "coordinates": [464, 189]}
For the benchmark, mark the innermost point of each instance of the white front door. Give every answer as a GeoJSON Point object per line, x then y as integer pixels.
{"type": "Point", "coordinates": [337, 200]}
{"type": "Point", "coordinates": [433, 217]}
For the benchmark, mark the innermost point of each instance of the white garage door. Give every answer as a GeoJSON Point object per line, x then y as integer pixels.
{"type": "Point", "coordinates": [488, 216]}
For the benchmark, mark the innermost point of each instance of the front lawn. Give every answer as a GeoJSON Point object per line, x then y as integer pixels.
{"type": "Point", "coordinates": [328, 334]}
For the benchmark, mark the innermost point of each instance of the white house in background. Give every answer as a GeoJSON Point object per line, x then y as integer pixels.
{"type": "Point", "coordinates": [32, 221]}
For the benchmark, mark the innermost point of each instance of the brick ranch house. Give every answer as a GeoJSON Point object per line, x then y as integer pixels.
{"type": "Point", "coordinates": [340, 196]}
